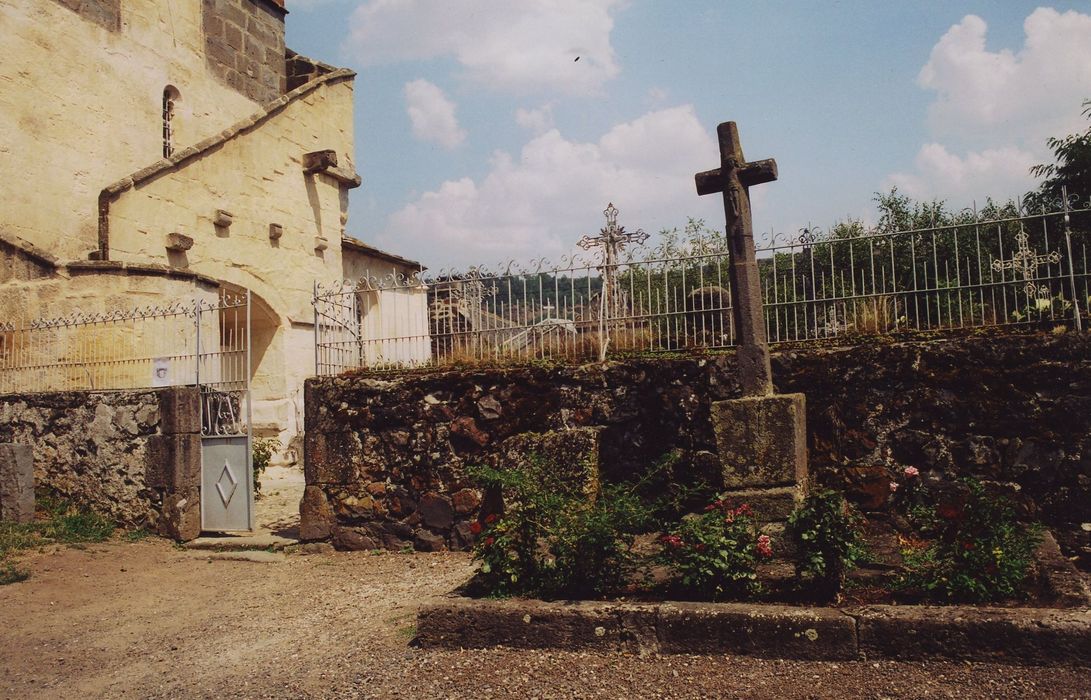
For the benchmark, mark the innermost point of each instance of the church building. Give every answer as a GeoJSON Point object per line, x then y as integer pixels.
{"type": "Point", "coordinates": [159, 150]}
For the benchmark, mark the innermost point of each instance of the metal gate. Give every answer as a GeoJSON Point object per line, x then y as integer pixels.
{"type": "Point", "coordinates": [223, 378]}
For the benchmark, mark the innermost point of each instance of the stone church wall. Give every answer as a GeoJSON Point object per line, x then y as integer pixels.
{"type": "Point", "coordinates": [386, 454]}
{"type": "Point", "coordinates": [81, 106]}
{"type": "Point", "coordinates": [133, 456]}
{"type": "Point", "coordinates": [244, 46]}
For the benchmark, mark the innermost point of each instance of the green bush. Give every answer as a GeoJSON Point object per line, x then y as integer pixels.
{"type": "Point", "coordinates": [713, 555]}
{"type": "Point", "coordinates": [826, 534]}
{"type": "Point", "coordinates": [982, 554]}
{"type": "Point", "coordinates": [262, 451]}
{"type": "Point", "coordinates": [552, 543]}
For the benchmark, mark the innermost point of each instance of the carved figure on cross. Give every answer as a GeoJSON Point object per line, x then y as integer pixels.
{"type": "Point", "coordinates": [734, 178]}
{"type": "Point", "coordinates": [1025, 262]}
{"type": "Point", "coordinates": [612, 239]}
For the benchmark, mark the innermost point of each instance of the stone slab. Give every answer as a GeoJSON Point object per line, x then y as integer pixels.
{"type": "Point", "coordinates": [783, 632]}
{"type": "Point", "coordinates": [769, 505]}
{"type": "Point", "coordinates": [762, 440]}
{"type": "Point", "coordinates": [1020, 635]}
{"type": "Point", "coordinates": [1009, 635]}
{"type": "Point", "coordinates": [16, 483]}
{"type": "Point", "coordinates": [241, 543]}
{"type": "Point", "coordinates": [254, 557]}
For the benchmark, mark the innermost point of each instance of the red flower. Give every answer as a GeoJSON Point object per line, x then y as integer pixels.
{"type": "Point", "coordinates": [490, 518]}
{"type": "Point", "coordinates": [967, 546]}
{"type": "Point", "coordinates": [700, 547]}
{"type": "Point", "coordinates": [475, 528]}
{"type": "Point", "coordinates": [673, 541]}
{"type": "Point", "coordinates": [489, 541]}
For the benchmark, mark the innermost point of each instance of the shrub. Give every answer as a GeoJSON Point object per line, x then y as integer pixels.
{"type": "Point", "coordinates": [825, 532]}
{"type": "Point", "coordinates": [554, 543]}
{"type": "Point", "coordinates": [262, 451]}
{"type": "Point", "coordinates": [714, 554]}
{"type": "Point", "coordinates": [982, 554]}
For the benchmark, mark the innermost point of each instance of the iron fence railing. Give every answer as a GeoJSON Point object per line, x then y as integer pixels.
{"type": "Point", "coordinates": [999, 266]}
{"type": "Point", "coordinates": [200, 342]}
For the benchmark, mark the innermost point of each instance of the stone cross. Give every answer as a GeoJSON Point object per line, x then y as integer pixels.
{"type": "Point", "coordinates": [733, 178]}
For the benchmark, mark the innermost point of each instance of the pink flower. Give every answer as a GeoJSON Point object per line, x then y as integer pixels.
{"type": "Point", "coordinates": [911, 473]}
{"type": "Point", "coordinates": [893, 486]}
{"type": "Point", "coordinates": [765, 546]}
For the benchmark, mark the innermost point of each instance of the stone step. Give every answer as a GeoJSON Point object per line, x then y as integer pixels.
{"type": "Point", "coordinates": [240, 543]}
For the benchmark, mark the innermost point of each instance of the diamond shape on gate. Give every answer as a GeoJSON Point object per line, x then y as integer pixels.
{"type": "Point", "coordinates": [227, 486]}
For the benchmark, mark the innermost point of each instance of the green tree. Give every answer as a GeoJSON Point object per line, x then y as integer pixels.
{"type": "Point", "coordinates": [1072, 169]}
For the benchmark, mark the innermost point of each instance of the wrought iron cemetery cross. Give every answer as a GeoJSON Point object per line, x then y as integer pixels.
{"type": "Point", "coordinates": [1025, 262]}
{"type": "Point", "coordinates": [612, 240]}
{"type": "Point", "coordinates": [734, 178]}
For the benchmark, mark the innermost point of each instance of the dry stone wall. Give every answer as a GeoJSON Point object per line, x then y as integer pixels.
{"type": "Point", "coordinates": [386, 455]}
{"type": "Point", "coordinates": [133, 456]}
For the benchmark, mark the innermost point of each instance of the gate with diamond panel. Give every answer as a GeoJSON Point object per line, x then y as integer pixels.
{"type": "Point", "coordinates": [223, 377]}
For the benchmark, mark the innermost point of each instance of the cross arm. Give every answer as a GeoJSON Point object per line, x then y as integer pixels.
{"type": "Point", "coordinates": [750, 174]}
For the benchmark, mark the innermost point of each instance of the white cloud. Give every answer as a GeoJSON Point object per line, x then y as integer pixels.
{"type": "Point", "coordinates": [520, 46]}
{"type": "Point", "coordinates": [537, 120]}
{"type": "Point", "coordinates": [940, 174]}
{"type": "Point", "coordinates": [432, 115]}
{"type": "Point", "coordinates": [994, 109]}
{"type": "Point", "coordinates": [1033, 93]}
{"type": "Point", "coordinates": [542, 201]}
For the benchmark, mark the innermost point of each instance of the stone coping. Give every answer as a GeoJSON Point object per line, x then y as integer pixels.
{"type": "Point", "coordinates": [1040, 636]}
{"type": "Point", "coordinates": [29, 250]}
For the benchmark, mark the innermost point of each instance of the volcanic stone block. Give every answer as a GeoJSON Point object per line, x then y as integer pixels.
{"type": "Point", "coordinates": [16, 483]}
{"type": "Point", "coordinates": [181, 515]}
{"type": "Point", "coordinates": [769, 505]}
{"type": "Point", "coordinates": [762, 440]}
{"type": "Point", "coordinates": [179, 410]}
{"type": "Point", "coordinates": [568, 458]}
{"type": "Point", "coordinates": [173, 461]}
{"type": "Point", "coordinates": [316, 519]}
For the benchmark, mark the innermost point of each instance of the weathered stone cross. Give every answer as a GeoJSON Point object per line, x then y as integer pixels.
{"type": "Point", "coordinates": [733, 178]}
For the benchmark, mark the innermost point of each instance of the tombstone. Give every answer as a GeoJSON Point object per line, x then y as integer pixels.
{"type": "Point", "coordinates": [761, 437]}
{"type": "Point", "coordinates": [16, 483]}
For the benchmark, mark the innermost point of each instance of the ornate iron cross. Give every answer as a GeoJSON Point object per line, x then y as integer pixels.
{"type": "Point", "coordinates": [734, 178]}
{"type": "Point", "coordinates": [612, 240]}
{"type": "Point", "coordinates": [1025, 262]}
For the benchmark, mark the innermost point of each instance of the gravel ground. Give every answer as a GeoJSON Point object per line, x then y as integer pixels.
{"type": "Point", "coordinates": [148, 620]}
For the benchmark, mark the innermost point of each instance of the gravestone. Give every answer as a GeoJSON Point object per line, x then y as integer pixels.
{"type": "Point", "coordinates": [16, 483]}
{"type": "Point", "coordinates": [761, 437]}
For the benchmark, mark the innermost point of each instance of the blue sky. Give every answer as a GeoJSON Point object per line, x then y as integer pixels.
{"type": "Point", "coordinates": [480, 137]}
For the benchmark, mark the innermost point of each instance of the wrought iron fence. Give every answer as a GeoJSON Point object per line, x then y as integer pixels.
{"type": "Point", "coordinates": [199, 342]}
{"type": "Point", "coordinates": [998, 266]}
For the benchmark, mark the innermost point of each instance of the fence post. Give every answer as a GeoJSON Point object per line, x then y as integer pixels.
{"type": "Point", "coordinates": [314, 309]}
{"type": "Point", "coordinates": [1071, 267]}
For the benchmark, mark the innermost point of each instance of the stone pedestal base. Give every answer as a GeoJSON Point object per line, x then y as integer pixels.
{"type": "Point", "coordinates": [762, 443]}
{"type": "Point", "coordinates": [16, 483]}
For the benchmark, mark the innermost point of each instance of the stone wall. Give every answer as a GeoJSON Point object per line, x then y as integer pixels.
{"type": "Point", "coordinates": [134, 456]}
{"type": "Point", "coordinates": [244, 46]}
{"type": "Point", "coordinates": [105, 13]}
{"type": "Point", "coordinates": [386, 454]}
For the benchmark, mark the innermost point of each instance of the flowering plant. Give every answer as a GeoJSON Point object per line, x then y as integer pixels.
{"type": "Point", "coordinates": [826, 534]}
{"type": "Point", "coordinates": [555, 543]}
{"type": "Point", "coordinates": [714, 554]}
{"type": "Point", "coordinates": [982, 554]}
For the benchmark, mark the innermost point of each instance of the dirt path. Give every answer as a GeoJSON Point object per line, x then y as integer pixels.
{"type": "Point", "coordinates": [149, 620]}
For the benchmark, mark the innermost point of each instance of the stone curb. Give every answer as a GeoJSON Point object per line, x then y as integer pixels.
{"type": "Point", "coordinates": [1017, 635]}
